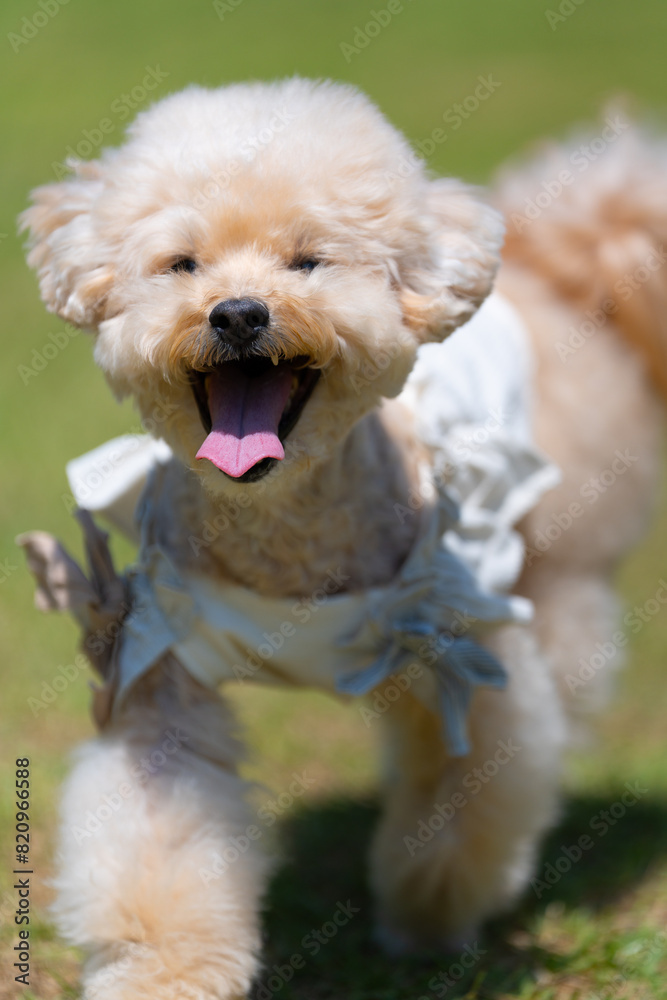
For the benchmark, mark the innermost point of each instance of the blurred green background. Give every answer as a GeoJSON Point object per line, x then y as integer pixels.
{"type": "Point", "coordinates": [65, 69]}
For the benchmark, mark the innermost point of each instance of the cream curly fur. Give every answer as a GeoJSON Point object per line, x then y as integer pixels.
{"type": "Point", "coordinates": [244, 179]}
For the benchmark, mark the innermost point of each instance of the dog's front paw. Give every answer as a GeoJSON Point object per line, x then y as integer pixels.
{"type": "Point", "coordinates": [142, 974]}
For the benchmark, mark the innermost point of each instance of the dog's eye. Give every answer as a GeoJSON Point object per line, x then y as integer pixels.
{"type": "Point", "coordinates": [308, 265]}
{"type": "Point", "coordinates": [184, 264]}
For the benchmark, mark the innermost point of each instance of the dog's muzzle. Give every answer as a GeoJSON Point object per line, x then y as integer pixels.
{"type": "Point", "coordinates": [249, 403]}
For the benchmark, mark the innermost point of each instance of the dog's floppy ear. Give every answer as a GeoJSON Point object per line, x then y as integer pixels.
{"type": "Point", "coordinates": [66, 252]}
{"type": "Point", "coordinates": [457, 274]}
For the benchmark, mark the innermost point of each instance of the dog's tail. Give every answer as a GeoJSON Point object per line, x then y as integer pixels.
{"type": "Point", "coordinates": [590, 217]}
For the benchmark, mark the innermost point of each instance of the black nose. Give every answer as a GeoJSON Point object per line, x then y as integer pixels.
{"type": "Point", "coordinates": [239, 320]}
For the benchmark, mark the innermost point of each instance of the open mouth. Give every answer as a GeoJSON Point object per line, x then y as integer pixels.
{"type": "Point", "coordinates": [247, 409]}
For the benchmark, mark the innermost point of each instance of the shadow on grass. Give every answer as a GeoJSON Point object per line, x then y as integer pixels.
{"type": "Point", "coordinates": [319, 913]}
{"type": "Point", "coordinates": [624, 841]}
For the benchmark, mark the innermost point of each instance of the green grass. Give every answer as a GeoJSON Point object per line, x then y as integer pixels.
{"type": "Point", "coordinates": [594, 933]}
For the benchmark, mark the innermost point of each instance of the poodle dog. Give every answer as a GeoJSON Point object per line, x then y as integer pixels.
{"type": "Point", "coordinates": [338, 498]}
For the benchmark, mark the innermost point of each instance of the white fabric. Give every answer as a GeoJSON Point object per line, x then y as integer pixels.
{"type": "Point", "coordinates": [472, 400]}
{"type": "Point", "coordinates": [110, 479]}
{"type": "Point", "coordinates": [470, 397]}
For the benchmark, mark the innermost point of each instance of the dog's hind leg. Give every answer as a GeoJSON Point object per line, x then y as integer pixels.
{"type": "Point", "coordinates": [159, 881]}
{"type": "Point", "coordinates": [458, 838]}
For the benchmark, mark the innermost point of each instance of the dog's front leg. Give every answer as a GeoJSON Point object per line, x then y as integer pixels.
{"type": "Point", "coordinates": [158, 879]}
{"type": "Point", "coordinates": [458, 839]}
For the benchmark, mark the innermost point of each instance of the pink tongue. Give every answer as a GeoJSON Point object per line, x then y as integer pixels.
{"type": "Point", "coordinates": [245, 413]}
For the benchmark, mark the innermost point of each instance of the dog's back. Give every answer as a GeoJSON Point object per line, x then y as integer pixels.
{"type": "Point", "coordinates": [585, 263]}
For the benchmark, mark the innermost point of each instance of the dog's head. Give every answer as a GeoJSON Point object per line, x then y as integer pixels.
{"type": "Point", "coordinates": [260, 264]}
